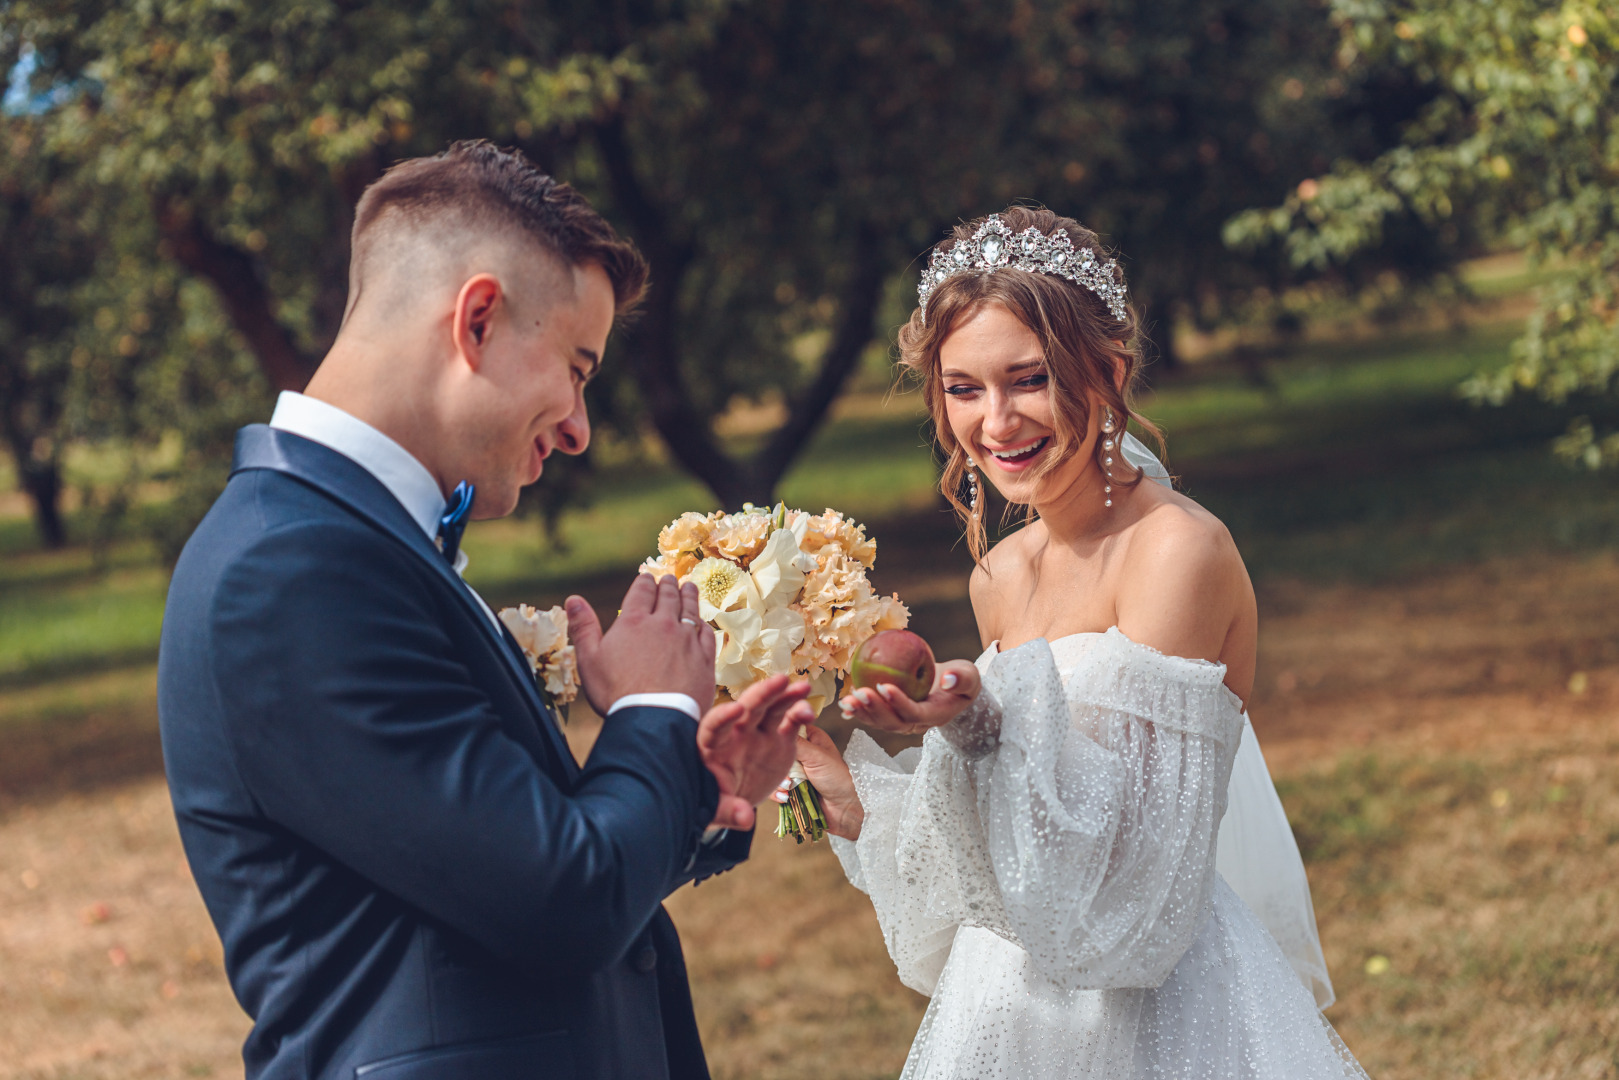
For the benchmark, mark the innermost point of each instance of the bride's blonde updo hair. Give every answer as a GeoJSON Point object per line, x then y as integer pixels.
{"type": "Point", "coordinates": [1082, 339]}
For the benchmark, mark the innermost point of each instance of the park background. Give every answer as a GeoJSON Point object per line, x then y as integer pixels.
{"type": "Point", "coordinates": [1375, 248]}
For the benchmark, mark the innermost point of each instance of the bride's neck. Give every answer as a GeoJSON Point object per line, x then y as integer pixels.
{"type": "Point", "coordinates": [1079, 512]}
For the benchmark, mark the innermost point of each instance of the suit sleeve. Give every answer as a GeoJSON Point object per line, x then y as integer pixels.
{"type": "Point", "coordinates": [355, 726]}
{"type": "Point", "coordinates": [727, 851]}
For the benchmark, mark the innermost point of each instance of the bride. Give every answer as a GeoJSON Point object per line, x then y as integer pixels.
{"type": "Point", "coordinates": [1051, 866]}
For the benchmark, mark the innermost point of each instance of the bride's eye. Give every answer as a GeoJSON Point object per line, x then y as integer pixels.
{"type": "Point", "coordinates": [960, 389]}
{"type": "Point", "coordinates": [1034, 382]}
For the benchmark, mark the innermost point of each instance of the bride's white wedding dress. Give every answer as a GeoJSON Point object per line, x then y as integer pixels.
{"type": "Point", "coordinates": [1044, 869]}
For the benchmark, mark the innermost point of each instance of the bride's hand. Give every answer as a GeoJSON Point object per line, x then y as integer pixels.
{"type": "Point", "coordinates": [887, 708]}
{"type": "Point", "coordinates": [826, 769]}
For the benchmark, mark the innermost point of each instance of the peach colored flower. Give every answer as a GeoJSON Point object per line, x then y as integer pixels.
{"type": "Point", "coordinates": [739, 537]}
{"type": "Point", "coordinates": [543, 637]}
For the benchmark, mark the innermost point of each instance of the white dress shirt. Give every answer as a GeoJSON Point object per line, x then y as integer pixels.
{"type": "Point", "coordinates": [407, 480]}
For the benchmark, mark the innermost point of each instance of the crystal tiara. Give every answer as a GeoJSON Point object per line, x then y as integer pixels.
{"type": "Point", "coordinates": [994, 246]}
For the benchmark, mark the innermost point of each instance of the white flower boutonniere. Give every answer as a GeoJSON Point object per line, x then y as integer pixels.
{"type": "Point", "coordinates": [543, 637]}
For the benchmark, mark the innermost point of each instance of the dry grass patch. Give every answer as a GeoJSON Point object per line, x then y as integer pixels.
{"type": "Point", "coordinates": [109, 968]}
{"type": "Point", "coordinates": [1455, 797]}
{"type": "Point", "coordinates": [1470, 908]}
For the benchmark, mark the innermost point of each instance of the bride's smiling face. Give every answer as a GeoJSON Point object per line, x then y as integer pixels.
{"type": "Point", "coordinates": [998, 402]}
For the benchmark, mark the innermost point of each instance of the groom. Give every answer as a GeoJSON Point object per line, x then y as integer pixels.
{"type": "Point", "coordinates": [412, 878]}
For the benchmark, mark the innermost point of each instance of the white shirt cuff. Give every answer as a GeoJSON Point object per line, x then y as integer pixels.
{"type": "Point", "coordinates": [683, 702]}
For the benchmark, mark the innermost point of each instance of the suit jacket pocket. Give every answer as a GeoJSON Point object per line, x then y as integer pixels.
{"type": "Point", "coordinates": [526, 1057]}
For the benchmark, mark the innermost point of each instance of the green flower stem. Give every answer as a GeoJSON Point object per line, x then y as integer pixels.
{"type": "Point", "coordinates": [801, 816]}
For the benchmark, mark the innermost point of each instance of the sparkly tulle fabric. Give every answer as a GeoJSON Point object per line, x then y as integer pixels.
{"type": "Point", "coordinates": [1044, 869]}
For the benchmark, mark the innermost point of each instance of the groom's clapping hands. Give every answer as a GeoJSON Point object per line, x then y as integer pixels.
{"type": "Point", "coordinates": [660, 644]}
{"type": "Point", "coordinates": [657, 645]}
{"type": "Point", "coordinates": [750, 743]}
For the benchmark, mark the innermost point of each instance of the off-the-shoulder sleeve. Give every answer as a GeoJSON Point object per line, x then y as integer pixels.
{"type": "Point", "coordinates": [1086, 836]}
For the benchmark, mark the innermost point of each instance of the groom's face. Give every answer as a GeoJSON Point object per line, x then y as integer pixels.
{"type": "Point", "coordinates": [535, 370]}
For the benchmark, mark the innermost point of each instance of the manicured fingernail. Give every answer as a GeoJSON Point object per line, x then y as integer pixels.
{"type": "Point", "coordinates": [949, 681]}
{"type": "Point", "coordinates": [886, 690]}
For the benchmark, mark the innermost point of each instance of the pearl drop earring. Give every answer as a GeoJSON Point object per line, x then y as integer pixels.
{"type": "Point", "coordinates": [1107, 461]}
{"type": "Point", "coordinates": [972, 488]}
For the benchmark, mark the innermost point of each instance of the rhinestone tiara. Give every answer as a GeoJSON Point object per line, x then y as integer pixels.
{"type": "Point", "coordinates": [994, 247]}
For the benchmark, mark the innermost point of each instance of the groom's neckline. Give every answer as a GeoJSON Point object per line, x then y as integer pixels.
{"type": "Point", "coordinates": [350, 484]}
{"type": "Point", "coordinates": [394, 467]}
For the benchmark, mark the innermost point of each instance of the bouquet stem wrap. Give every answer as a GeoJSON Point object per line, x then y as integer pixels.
{"type": "Point", "coordinates": [801, 816]}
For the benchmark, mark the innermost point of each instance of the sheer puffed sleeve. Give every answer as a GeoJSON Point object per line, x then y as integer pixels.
{"type": "Point", "coordinates": [1086, 834]}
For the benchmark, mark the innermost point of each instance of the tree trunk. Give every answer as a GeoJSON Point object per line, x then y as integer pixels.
{"type": "Point", "coordinates": [29, 409]}
{"type": "Point", "coordinates": [656, 354]}
{"type": "Point", "coordinates": [42, 480]}
{"type": "Point", "coordinates": [246, 300]}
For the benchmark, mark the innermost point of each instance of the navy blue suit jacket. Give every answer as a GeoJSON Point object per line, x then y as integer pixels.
{"type": "Point", "coordinates": [412, 878]}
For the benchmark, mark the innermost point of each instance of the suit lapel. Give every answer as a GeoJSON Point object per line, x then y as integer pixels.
{"type": "Point", "coordinates": [259, 446]}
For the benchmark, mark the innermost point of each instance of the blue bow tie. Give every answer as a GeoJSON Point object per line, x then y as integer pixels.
{"type": "Point", "coordinates": [454, 521]}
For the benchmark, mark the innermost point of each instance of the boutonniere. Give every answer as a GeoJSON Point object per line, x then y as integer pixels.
{"type": "Point", "coordinates": [543, 637]}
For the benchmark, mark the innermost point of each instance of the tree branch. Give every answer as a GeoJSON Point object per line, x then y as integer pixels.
{"type": "Point", "coordinates": [247, 302]}
{"type": "Point", "coordinates": [682, 425]}
{"type": "Point", "coordinates": [854, 332]}
{"type": "Point", "coordinates": [656, 358]}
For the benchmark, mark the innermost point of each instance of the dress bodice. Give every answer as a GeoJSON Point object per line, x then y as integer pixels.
{"type": "Point", "coordinates": [1109, 670]}
{"type": "Point", "coordinates": [1044, 869]}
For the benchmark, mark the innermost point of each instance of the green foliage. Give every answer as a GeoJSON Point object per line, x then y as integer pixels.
{"type": "Point", "coordinates": [1359, 465]}
{"type": "Point", "coordinates": [44, 260]}
{"type": "Point", "coordinates": [782, 163]}
{"type": "Point", "coordinates": [1520, 144]}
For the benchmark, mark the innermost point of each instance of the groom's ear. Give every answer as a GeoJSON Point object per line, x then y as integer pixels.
{"type": "Point", "coordinates": [475, 308]}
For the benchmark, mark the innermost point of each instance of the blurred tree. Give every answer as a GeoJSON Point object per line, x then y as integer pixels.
{"type": "Point", "coordinates": [1163, 120]}
{"type": "Point", "coordinates": [1518, 142]}
{"type": "Point", "coordinates": [44, 260]}
{"type": "Point", "coordinates": [106, 344]}
{"type": "Point", "coordinates": [781, 163]}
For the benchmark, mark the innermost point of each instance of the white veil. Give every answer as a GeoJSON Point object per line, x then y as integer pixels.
{"type": "Point", "coordinates": [1257, 855]}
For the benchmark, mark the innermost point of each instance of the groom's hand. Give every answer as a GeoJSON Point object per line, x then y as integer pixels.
{"type": "Point", "coordinates": [750, 743]}
{"type": "Point", "coordinates": [657, 645]}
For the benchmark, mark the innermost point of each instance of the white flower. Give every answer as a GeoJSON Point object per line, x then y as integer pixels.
{"type": "Point", "coordinates": [779, 570]}
{"type": "Point", "coordinates": [543, 637]}
{"type": "Point", "coordinates": [754, 645]}
{"type": "Point", "coordinates": [537, 632]}
{"type": "Point", "coordinates": [721, 585]}
{"type": "Point", "coordinates": [823, 688]}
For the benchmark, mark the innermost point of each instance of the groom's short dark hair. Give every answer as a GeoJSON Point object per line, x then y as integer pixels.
{"type": "Point", "coordinates": [500, 189]}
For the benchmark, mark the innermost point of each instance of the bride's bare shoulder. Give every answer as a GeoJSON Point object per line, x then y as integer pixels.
{"type": "Point", "coordinates": [1178, 531]}
{"type": "Point", "coordinates": [1184, 586]}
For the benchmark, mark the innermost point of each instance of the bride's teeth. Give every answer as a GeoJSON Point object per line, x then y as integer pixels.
{"type": "Point", "coordinates": [1013, 455]}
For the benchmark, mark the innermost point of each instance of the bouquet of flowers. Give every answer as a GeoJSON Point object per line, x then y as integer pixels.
{"type": "Point", "coordinates": [786, 593]}
{"type": "Point", "coordinates": [543, 637]}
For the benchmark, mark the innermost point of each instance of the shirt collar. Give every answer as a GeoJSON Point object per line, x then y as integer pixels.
{"type": "Point", "coordinates": [406, 478]}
